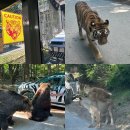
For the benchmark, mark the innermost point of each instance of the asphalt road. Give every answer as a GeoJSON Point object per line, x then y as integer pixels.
{"type": "Point", "coordinates": [74, 122]}
{"type": "Point", "coordinates": [117, 50]}
{"type": "Point", "coordinates": [78, 118]}
{"type": "Point", "coordinates": [56, 122]}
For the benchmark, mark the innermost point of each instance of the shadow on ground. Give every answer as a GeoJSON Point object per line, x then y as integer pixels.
{"type": "Point", "coordinates": [23, 123]}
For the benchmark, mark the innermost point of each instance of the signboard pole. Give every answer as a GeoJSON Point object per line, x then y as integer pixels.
{"type": "Point", "coordinates": [33, 46]}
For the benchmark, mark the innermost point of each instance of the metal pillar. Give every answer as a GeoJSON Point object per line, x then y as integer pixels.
{"type": "Point", "coordinates": [32, 41]}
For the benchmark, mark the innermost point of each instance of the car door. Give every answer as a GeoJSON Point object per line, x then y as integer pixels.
{"type": "Point", "coordinates": [58, 90]}
{"type": "Point", "coordinates": [54, 89]}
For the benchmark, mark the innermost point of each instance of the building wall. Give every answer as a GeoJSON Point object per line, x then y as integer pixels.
{"type": "Point", "coordinates": [50, 21]}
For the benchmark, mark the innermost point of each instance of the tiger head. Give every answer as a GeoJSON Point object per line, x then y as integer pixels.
{"type": "Point", "coordinates": [99, 31]}
{"type": "Point", "coordinates": [13, 28]}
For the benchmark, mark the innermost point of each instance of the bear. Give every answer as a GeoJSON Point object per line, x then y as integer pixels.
{"type": "Point", "coordinates": [41, 103]}
{"type": "Point", "coordinates": [10, 102]}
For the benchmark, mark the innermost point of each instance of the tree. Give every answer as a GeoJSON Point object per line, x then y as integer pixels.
{"type": "Point", "coordinates": [28, 72]}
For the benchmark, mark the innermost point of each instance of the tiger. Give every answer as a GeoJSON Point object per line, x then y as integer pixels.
{"type": "Point", "coordinates": [96, 29]}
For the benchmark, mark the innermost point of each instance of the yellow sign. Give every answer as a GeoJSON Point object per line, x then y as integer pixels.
{"type": "Point", "coordinates": [12, 27]}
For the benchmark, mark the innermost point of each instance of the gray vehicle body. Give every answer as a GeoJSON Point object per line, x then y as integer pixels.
{"type": "Point", "coordinates": [72, 87]}
{"type": "Point", "coordinates": [57, 92]}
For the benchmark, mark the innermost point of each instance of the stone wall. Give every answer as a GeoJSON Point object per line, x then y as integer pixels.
{"type": "Point", "coordinates": [50, 22]}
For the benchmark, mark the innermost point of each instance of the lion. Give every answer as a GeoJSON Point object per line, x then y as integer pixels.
{"type": "Point", "coordinates": [99, 105]}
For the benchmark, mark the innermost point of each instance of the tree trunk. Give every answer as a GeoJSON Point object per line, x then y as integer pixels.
{"type": "Point", "coordinates": [57, 66]}
{"type": "Point", "coordinates": [49, 69]}
{"type": "Point", "coordinates": [26, 72]}
{"type": "Point", "coordinates": [1, 71]}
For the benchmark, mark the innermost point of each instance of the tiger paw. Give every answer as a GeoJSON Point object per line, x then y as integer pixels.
{"type": "Point", "coordinates": [99, 58]}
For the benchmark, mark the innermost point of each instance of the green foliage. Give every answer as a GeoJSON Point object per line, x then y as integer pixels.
{"type": "Point", "coordinates": [121, 78]}
{"type": "Point", "coordinates": [31, 72]}
{"type": "Point", "coordinates": [42, 70]}
{"type": "Point", "coordinates": [112, 76]}
{"type": "Point", "coordinates": [101, 74]}
{"type": "Point", "coordinates": [6, 74]}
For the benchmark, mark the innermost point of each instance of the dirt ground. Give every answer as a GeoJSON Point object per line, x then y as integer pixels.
{"type": "Point", "coordinates": [122, 115]}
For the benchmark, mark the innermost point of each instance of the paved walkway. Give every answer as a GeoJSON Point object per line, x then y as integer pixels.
{"type": "Point", "coordinates": [16, 56]}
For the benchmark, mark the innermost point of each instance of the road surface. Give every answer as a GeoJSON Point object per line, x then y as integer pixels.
{"type": "Point", "coordinates": [56, 122]}
{"type": "Point", "coordinates": [74, 119]}
{"type": "Point", "coordinates": [78, 118]}
{"type": "Point", "coordinates": [117, 50]}
{"type": "Point", "coordinates": [74, 122]}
